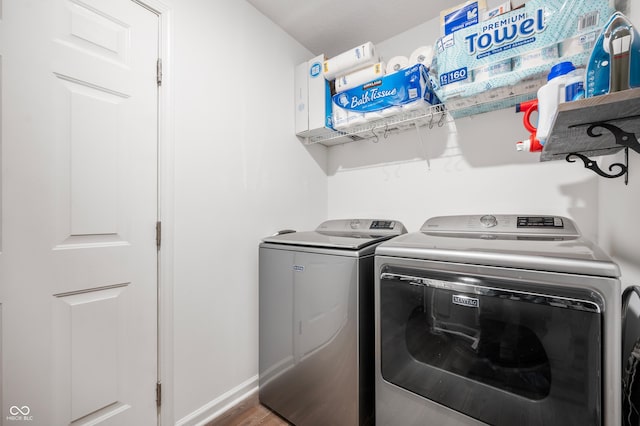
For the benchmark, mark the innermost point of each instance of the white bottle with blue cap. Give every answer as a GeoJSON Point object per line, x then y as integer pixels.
{"type": "Point", "coordinates": [565, 83]}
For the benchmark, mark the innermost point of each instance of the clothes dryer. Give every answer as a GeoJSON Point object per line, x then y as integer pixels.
{"type": "Point", "coordinates": [501, 320]}
{"type": "Point", "coordinates": [316, 321]}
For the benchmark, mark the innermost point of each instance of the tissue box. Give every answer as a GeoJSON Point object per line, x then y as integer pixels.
{"type": "Point", "coordinates": [461, 16]}
{"type": "Point", "coordinates": [312, 99]}
{"type": "Point", "coordinates": [397, 89]}
{"type": "Point", "coordinates": [532, 39]}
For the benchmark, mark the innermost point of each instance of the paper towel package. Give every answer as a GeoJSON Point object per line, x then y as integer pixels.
{"type": "Point", "coordinates": [313, 110]}
{"type": "Point", "coordinates": [360, 76]}
{"type": "Point", "coordinates": [530, 40]}
{"type": "Point", "coordinates": [351, 60]}
{"type": "Point", "coordinates": [391, 91]}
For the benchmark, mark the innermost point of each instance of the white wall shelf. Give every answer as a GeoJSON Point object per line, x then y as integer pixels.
{"type": "Point", "coordinates": [578, 130]}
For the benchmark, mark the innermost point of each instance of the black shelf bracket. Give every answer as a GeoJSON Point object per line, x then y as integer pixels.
{"type": "Point", "coordinates": [593, 166]}
{"type": "Point", "coordinates": [625, 139]}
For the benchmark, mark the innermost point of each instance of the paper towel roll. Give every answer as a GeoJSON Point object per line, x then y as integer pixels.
{"type": "Point", "coordinates": [535, 58]}
{"type": "Point", "coordinates": [353, 59]}
{"type": "Point", "coordinates": [578, 44]}
{"type": "Point", "coordinates": [397, 63]}
{"type": "Point", "coordinates": [422, 55]}
{"type": "Point", "coordinates": [359, 77]}
{"type": "Point", "coordinates": [486, 72]}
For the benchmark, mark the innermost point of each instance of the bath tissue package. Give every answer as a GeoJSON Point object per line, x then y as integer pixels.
{"type": "Point", "coordinates": [359, 77]}
{"type": "Point", "coordinates": [485, 64]}
{"type": "Point", "coordinates": [351, 60]}
{"type": "Point", "coordinates": [391, 91]}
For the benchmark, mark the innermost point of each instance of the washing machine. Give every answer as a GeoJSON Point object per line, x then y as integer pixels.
{"type": "Point", "coordinates": [316, 321]}
{"type": "Point", "coordinates": [497, 319]}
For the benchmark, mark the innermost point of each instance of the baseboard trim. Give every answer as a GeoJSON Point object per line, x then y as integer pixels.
{"type": "Point", "coordinates": [220, 405]}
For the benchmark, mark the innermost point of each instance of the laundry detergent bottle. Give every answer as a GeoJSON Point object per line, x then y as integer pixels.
{"type": "Point", "coordinates": [565, 83]}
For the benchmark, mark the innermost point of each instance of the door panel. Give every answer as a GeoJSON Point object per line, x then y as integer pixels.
{"type": "Point", "coordinates": [479, 344]}
{"type": "Point", "coordinates": [79, 174]}
{"type": "Point", "coordinates": [309, 367]}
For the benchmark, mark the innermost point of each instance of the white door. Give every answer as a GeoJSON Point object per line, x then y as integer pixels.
{"type": "Point", "coordinates": [78, 262]}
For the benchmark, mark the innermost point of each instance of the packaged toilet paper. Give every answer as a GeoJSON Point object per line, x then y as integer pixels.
{"type": "Point", "coordinates": [344, 119]}
{"type": "Point", "coordinates": [351, 60]}
{"type": "Point", "coordinates": [473, 63]}
{"type": "Point", "coordinates": [392, 90]}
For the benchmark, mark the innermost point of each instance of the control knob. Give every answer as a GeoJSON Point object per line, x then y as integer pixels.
{"type": "Point", "coordinates": [488, 221]}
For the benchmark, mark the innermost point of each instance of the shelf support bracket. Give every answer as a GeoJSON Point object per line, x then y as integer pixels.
{"type": "Point", "coordinates": [625, 139]}
{"type": "Point", "coordinates": [593, 166]}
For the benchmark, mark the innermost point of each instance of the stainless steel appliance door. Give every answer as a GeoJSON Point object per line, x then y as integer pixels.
{"type": "Point", "coordinates": [501, 352]}
{"type": "Point", "coordinates": [308, 341]}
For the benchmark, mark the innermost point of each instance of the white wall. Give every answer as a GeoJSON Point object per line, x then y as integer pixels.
{"type": "Point", "coordinates": [240, 174]}
{"type": "Point", "coordinates": [474, 168]}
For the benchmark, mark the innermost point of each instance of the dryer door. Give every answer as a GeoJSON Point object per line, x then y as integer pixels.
{"type": "Point", "coordinates": [492, 350]}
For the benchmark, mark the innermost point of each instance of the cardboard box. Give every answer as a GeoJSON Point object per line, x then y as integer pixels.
{"type": "Point", "coordinates": [312, 99]}
{"type": "Point", "coordinates": [301, 103]}
{"type": "Point", "coordinates": [461, 16]}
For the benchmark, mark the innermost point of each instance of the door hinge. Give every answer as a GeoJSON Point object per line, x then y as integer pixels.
{"type": "Point", "coordinates": [158, 394]}
{"type": "Point", "coordinates": [158, 234]}
{"type": "Point", "coordinates": [159, 72]}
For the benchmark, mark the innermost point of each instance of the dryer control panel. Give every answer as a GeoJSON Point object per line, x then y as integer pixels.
{"type": "Point", "coordinates": [516, 225]}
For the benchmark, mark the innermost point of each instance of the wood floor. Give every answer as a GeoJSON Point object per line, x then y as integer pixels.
{"type": "Point", "coordinates": [249, 413]}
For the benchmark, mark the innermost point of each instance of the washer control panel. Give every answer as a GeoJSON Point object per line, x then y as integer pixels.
{"type": "Point", "coordinates": [540, 222]}
{"type": "Point", "coordinates": [382, 224]}
{"type": "Point", "coordinates": [363, 226]}
{"type": "Point", "coordinates": [488, 225]}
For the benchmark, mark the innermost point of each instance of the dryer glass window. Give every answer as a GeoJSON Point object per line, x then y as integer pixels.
{"type": "Point", "coordinates": [490, 349]}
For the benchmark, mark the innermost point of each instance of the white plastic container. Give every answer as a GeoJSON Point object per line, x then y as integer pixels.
{"type": "Point", "coordinates": [565, 83]}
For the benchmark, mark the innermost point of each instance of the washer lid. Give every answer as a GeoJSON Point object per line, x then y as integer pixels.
{"type": "Point", "coordinates": [499, 241]}
{"type": "Point", "coordinates": [351, 234]}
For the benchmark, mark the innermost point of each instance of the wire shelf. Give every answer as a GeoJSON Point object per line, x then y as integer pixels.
{"type": "Point", "coordinates": [429, 115]}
